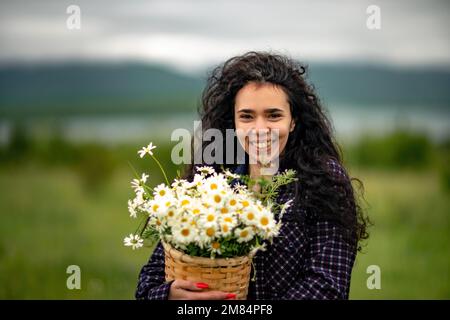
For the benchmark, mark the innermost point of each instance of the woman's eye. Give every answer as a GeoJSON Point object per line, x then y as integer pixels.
{"type": "Point", "coordinates": [245, 116]}
{"type": "Point", "coordinates": [274, 116]}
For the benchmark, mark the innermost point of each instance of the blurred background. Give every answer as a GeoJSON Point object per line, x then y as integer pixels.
{"type": "Point", "coordinates": [77, 104]}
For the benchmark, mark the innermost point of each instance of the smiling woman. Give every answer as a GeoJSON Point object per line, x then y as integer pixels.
{"type": "Point", "coordinates": [261, 94]}
{"type": "Point", "coordinates": [260, 110]}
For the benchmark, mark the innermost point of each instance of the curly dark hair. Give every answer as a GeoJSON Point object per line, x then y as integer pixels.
{"type": "Point", "coordinates": [310, 146]}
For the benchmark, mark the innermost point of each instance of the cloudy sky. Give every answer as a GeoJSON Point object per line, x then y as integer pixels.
{"type": "Point", "coordinates": [193, 34]}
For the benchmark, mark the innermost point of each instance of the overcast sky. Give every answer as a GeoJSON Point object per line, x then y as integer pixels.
{"type": "Point", "coordinates": [193, 34]}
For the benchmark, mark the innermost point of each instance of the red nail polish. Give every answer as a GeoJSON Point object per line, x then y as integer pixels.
{"type": "Point", "coordinates": [201, 285]}
{"type": "Point", "coordinates": [231, 296]}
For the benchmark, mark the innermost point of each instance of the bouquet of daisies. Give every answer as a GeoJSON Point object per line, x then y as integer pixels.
{"type": "Point", "coordinates": [213, 215]}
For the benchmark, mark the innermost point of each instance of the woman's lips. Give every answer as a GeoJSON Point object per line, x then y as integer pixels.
{"type": "Point", "coordinates": [262, 148]}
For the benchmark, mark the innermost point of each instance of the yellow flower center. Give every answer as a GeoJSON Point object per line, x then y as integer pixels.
{"type": "Point", "coordinates": [185, 232]}
{"type": "Point", "coordinates": [210, 232]}
{"type": "Point", "coordinates": [213, 186]}
{"type": "Point", "coordinates": [184, 202]}
{"type": "Point", "coordinates": [155, 207]}
{"type": "Point", "coordinates": [250, 216]}
{"type": "Point", "coordinates": [244, 233]}
{"type": "Point", "coordinates": [232, 202]}
{"type": "Point", "coordinates": [162, 193]}
{"type": "Point", "coordinates": [264, 221]}
{"type": "Point", "coordinates": [224, 210]}
{"type": "Point", "coordinates": [215, 245]}
{"type": "Point", "coordinates": [217, 198]}
{"type": "Point", "coordinates": [196, 211]}
{"type": "Point", "coordinates": [225, 228]}
{"type": "Point", "coordinates": [245, 203]}
{"type": "Point", "coordinates": [228, 219]}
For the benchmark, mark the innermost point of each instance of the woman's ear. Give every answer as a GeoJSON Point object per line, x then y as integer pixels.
{"type": "Point", "coordinates": [292, 126]}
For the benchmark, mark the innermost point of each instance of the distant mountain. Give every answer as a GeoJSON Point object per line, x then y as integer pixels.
{"type": "Point", "coordinates": [382, 85]}
{"type": "Point", "coordinates": [88, 88]}
{"type": "Point", "coordinates": [95, 88]}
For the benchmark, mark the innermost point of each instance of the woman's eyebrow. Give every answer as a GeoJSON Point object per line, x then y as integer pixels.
{"type": "Point", "coordinates": [246, 111]}
{"type": "Point", "coordinates": [270, 110]}
{"type": "Point", "coordinates": [273, 110]}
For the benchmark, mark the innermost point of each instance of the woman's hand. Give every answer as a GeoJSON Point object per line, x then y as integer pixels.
{"type": "Point", "coordinates": [188, 290]}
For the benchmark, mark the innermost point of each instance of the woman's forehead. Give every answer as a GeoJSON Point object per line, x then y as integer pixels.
{"type": "Point", "coordinates": [261, 96]}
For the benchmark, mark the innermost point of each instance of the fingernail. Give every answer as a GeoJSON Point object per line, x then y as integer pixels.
{"type": "Point", "coordinates": [202, 285]}
{"type": "Point", "coordinates": [231, 296]}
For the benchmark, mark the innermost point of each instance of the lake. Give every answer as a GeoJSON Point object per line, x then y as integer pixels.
{"type": "Point", "coordinates": [350, 122]}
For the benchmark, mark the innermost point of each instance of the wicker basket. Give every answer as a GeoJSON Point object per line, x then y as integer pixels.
{"type": "Point", "coordinates": [224, 274]}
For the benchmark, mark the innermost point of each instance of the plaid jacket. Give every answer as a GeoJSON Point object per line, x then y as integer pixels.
{"type": "Point", "coordinates": [308, 260]}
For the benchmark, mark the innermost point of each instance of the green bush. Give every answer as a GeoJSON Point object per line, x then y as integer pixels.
{"type": "Point", "coordinates": [400, 149]}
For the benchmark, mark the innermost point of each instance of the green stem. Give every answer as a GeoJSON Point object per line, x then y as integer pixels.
{"type": "Point", "coordinates": [134, 170]}
{"type": "Point", "coordinates": [145, 226]}
{"type": "Point", "coordinates": [162, 170]}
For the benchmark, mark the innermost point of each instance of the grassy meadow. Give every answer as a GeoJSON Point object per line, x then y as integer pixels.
{"type": "Point", "coordinates": [73, 211]}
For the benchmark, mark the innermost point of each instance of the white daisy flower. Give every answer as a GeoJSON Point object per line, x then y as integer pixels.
{"type": "Point", "coordinates": [215, 200]}
{"type": "Point", "coordinates": [169, 201]}
{"type": "Point", "coordinates": [215, 247]}
{"type": "Point", "coordinates": [158, 223]}
{"type": "Point", "coordinates": [209, 232]}
{"type": "Point", "coordinates": [184, 233]}
{"type": "Point", "coordinates": [186, 202]}
{"type": "Point", "coordinates": [133, 241]}
{"type": "Point", "coordinates": [250, 215]}
{"type": "Point", "coordinates": [265, 221]}
{"type": "Point", "coordinates": [137, 204]}
{"type": "Point", "coordinates": [244, 235]}
{"type": "Point", "coordinates": [229, 219]}
{"type": "Point", "coordinates": [180, 187]}
{"type": "Point", "coordinates": [137, 184]}
{"type": "Point", "coordinates": [233, 204]}
{"type": "Point", "coordinates": [216, 183]}
{"type": "Point", "coordinates": [156, 207]}
{"type": "Point", "coordinates": [173, 217]}
{"type": "Point", "coordinates": [245, 203]}
{"type": "Point", "coordinates": [148, 149]}
{"type": "Point", "coordinates": [205, 170]}
{"type": "Point", "coordinates": [241, 189]}
{"type": "Point", "coordinates": [229, 174]}
{"type": "Point", "coordinates": [132, 209]}
{"type": "Point", "coordinates": [144, 177]}
{"type": "Point", "coordinates": [208, 217]}
{"type": "Point", "coordinates": [162, 191]}
{"type": "Point", "coordinates": [197, 181]}
{"type": "Point", "coordinates": [226, 229]}
{"type": "Point", "coordinates": [196, 208]}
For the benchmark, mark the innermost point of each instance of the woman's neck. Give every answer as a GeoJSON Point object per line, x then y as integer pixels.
{"type": "Point", "coordinates": [258, 171]}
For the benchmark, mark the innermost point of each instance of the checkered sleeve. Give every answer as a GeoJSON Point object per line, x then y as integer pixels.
{"type": "Point", "coordinates": [328, 266]}
{"type": "Point", "coordinates": [152, 285]}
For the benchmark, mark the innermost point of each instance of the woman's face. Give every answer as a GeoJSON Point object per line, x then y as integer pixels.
{"type": "Point", "coordinates": [263, 120]}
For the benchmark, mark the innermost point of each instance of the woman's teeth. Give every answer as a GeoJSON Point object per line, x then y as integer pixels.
{"type": "Point", "coordinates": [261, 145]}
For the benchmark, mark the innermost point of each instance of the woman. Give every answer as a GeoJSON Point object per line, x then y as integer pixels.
{"type": "Point", "coordinates": [313, 256]}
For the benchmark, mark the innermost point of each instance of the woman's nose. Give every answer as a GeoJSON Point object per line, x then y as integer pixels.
{"type": "Point", "coordinates": [261, 125]}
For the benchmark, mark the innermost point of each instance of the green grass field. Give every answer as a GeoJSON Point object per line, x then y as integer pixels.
{"type": "Point", "coordinates": [50, 220]}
